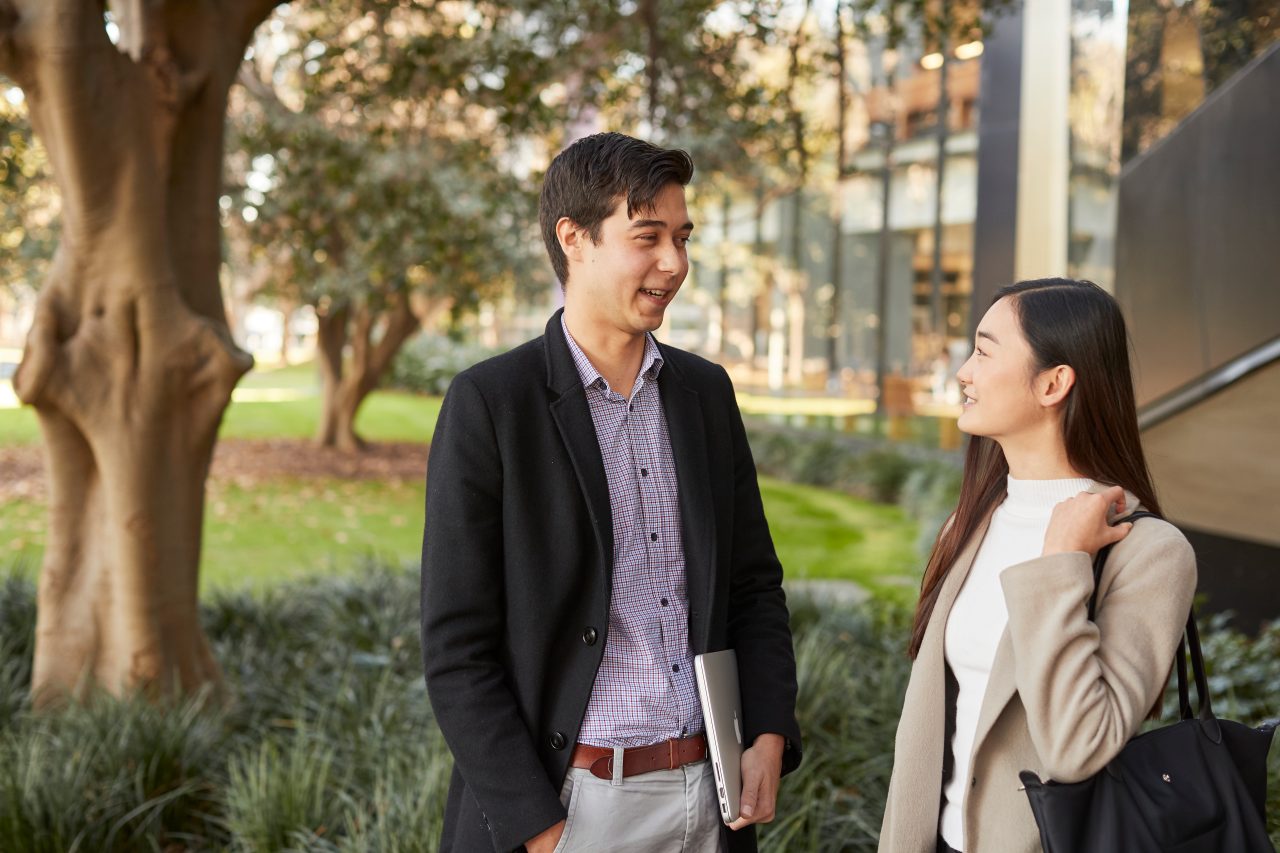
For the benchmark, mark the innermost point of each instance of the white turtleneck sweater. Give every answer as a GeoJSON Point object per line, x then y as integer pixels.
{"type": "Point", "coordinates": [978, 619]}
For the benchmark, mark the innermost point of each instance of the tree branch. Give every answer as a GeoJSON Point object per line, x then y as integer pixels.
{"type": "Point", "coordinates": [245, 16]}
{"type": "Point", "coordinates": [401, 325]}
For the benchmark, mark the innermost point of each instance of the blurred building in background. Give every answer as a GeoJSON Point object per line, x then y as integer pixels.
{"type": "Point", "coordinates": [1147, 140]}
{"type": "Point", "coordinates": [1136, 145]}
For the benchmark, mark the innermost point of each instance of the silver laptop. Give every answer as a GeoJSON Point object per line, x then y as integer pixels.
{"type": "Point", "coordinates": [717, 675]}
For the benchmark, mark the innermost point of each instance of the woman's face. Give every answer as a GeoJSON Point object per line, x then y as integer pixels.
{"type": "Point", "coordinates": [999, 379]}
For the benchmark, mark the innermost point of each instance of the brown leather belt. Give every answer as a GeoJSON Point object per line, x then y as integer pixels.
{"type": "Point", "coordinates": [668, 755]}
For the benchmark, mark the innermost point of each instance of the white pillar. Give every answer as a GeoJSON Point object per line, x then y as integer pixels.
{"type": "Point", "coordinates": [1044, 156]}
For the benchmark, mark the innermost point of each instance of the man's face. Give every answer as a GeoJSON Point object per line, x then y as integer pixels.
{"type": "Point", "coordinates": [626, 281]}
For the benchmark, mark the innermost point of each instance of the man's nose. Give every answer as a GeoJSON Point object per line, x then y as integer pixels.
{"type": "Point", "coordinates": [670, 260]}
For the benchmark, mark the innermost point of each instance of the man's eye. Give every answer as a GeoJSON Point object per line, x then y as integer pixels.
{"type": "Point", "coordinates": [682, 241]}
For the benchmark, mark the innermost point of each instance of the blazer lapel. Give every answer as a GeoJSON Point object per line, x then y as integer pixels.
{"type": "Point", "coordinates": [682, 406]}
{"type": "Point", "coordinates": [1001, 686]}
{"type": "Point", "coordinates": [931, 665]}
{"type": "Point", "coordinates": [572, 415]}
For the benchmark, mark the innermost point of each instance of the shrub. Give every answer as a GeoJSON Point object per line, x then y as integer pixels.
{"type": "Point", "coordinates": [428, 363]}
{"type": "Point", "coordinates": [330, 747]}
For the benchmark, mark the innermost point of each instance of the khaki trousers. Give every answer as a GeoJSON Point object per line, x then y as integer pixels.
{"type": "Point", "coordinates": [657, 812]}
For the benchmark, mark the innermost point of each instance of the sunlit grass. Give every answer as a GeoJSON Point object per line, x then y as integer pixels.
{"type": "Point", "coordinates": [286, 528]}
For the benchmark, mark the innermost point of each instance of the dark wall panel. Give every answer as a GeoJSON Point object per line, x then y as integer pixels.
{"type": "Point", "coordinates": [1239, 177]}
{"type": "Point", "coordinates": [996, 219]}
{"type": "Point", "coordinates": [1198, 236]}
{"type": "Point", "coordinates": [1154, 259]}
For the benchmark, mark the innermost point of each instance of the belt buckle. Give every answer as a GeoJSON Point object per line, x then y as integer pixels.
{"type": "Point", "coordinates": [673, 754]}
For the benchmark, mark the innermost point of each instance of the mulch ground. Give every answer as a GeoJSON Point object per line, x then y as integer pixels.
{"type": "Point", "coordinates": [245, 462]}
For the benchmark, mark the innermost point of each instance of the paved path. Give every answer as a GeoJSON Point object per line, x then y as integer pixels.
{"type": "Point", "coordinates": [828, 591]}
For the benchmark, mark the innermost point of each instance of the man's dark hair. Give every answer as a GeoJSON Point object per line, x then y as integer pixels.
{"type": "Point", "coordinates": [585, 181]}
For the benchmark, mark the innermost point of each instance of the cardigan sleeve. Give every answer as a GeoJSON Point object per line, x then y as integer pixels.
{"type": "Point", "coordinates": [1086, 686]}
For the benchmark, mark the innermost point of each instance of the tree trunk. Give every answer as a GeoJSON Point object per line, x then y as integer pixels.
{"type": "Point", "coordinates": [331, 341]}
{"type": "Point", "coordinates": [129, 362]}
{"type": "Point", "coordinates": [346, 385]}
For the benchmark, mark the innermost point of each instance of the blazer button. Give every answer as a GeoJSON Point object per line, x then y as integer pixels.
{"type": "Point", "coordinates": [556, 740]}
{"type": "Point", "coordinates": [589, 636]}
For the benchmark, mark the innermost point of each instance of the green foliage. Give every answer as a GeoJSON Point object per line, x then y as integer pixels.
{"type": "Point", "coordinates": [852, 672]}
{"type": "Point", "coordinates": [108, 776]}
{"type": "Point", "coordinates": [428, 363]}
{"type": "Point", "coordinates": [1244, 672]}
{"type": "Point", "coordinates": [27, 196]}
{"type": "Point", "coordinates": [328, 744]}
{"type": "Point", "coordinates": [283, 796]}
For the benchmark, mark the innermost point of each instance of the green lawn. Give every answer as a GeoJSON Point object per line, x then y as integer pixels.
{"type": "Point", "coordinates": [287, 528]}
{"type": "Point", "coordinates": [385, 415]}
{"type": "Point", "coordinates": [284, 528]}
{"type": "Point", "coordinates": [18, 426]}
{"type": "Point", "coordinates": [826, 534]}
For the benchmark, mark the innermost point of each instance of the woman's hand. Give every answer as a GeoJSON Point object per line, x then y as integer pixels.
{"type": "Point", "coordinates": [1080, 523]}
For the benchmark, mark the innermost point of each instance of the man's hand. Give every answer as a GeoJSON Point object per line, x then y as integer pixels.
{"type": "Point", "coordinates": [761, 770]}
{"type": "Point", "coordinates": [545, 841]}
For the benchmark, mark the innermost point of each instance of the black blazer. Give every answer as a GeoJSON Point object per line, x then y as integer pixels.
{"type": "Point", "coordinates": [516, 571]}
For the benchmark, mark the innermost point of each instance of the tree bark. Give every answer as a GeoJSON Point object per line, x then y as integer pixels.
{"type": "Point", "coordinates": [129, 362]}
{"type": "Point", "coordinates": [345, 385]}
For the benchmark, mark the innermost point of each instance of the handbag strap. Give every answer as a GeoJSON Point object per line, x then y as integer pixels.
{"type": "Point", "coordinates": [1190, 640]}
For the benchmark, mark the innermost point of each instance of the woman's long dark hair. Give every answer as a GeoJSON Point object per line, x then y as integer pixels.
{"type": "Point", "coordinates": [1069, 322]}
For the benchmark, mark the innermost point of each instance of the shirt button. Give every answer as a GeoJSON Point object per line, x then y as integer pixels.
{"type": "Point", "coordinates": [675, 667]}
{"type": "Point", "coordinates": [644, 472]}
{"type": "Point", "coordinates": [589, 636]}
{"type": "Point", "coordinates": [664, 602]}
{"type": "Point", "coordinates": [653, 536]}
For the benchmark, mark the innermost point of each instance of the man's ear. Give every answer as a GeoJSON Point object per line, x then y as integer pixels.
{"type": "Point", "coordinates": [571, 238]}
{"type": "Point", "coordinates": [1053, 385]}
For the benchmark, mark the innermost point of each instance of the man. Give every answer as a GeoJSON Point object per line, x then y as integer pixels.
{"type": "Point", "coordinates": [593, 522]}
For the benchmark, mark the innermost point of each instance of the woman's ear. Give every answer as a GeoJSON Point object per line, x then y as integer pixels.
{"type": "Point", "coordinates": [570, 237]}
{"type": "Point", "coordinates": [1053, 385]}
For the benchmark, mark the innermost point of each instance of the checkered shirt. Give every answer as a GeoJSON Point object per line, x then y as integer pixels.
{"type": "Point", "coordinates": [645, 690]}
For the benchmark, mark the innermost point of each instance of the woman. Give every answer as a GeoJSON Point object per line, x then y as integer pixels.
{"type": "Point", "coordinates": [1009, 674]}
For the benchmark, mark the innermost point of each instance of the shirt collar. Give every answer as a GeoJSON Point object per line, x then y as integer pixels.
{"type": "Point", "coordinates": [649, 367]}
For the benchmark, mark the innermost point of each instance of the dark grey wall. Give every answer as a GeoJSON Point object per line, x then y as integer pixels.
{"type": "Point", "coordinates": [996, 219]}
{"type": "Point", "coordinates": [1198, 237]}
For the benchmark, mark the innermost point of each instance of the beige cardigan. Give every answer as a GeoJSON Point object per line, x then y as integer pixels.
{"type": "Point", "coordinates": [1065, 694]}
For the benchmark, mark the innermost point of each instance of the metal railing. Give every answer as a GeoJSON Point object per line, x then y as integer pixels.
{"type": "Point", "coordinates": [1196, 391]}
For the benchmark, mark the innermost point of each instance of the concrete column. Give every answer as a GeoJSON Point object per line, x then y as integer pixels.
{"type": "Point", "coordinates": [1044, 156]}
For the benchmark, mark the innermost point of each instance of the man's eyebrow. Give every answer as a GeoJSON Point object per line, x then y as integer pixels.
{"type": "Point", "coordinates": [658, 223]}
{"type": "Point", "coordinates": [988, 336]}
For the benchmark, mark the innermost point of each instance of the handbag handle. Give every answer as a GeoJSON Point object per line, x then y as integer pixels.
{"type": "Point", "coordinates": [1191, 639]}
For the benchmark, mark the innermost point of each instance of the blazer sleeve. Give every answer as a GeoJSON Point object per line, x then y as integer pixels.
{"type": "Point", "coordinates": [1087, 686]}
{"type": "Point", "coordinates": [463, 625]}
{"type": "Point", "coordinates": [758, 622]}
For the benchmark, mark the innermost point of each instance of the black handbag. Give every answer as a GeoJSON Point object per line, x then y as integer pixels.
{"type": "Point", "coordinates": [1197, 786]}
